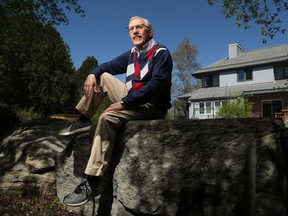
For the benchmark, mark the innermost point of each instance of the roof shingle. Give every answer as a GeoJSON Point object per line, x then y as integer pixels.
{"type": "Point", "coordinates": [249, 58]}
{"type": "Point", "coordinates": [224, 92]}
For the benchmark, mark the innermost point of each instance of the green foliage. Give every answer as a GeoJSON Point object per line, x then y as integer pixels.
{"type": "Point", "coordinates": [35, 65]}
{"type": "Point", "coordinates": [236, 107]}
{"type": "Point", "coordinates": [105, 103]}
{"type": "Point", "coordinates": [170, 115]}
{"type": "Point", "coordinates": [179, 109]}
{"type": "Point", "coordinates": [8, 120]}
{"type": "Point", "coordinates": [26, 114]}
{"type": "Point", "coordinates": [50, 67]}
{"type": "Point", "coordinates": [81, 74]}
{"type": "Point", "coordinates": [265, 13]}
{"type": "Point", "coordinates": [37, 76]}
{"type": "Point", "coordinates": [46, 12]}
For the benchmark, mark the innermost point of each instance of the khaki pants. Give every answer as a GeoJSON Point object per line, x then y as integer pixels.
{"type": "Point", "coordinates": [110, 122]}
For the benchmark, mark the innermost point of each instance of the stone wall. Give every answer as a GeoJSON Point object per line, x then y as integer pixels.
{"type": "Point", "coordinates": [197, 167]}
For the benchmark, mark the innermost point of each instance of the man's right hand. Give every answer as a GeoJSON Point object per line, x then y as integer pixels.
{"type": "Point", "coordinates": [90, 85]}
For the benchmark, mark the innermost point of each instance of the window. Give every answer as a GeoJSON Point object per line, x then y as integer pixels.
{"type": "Point", "coordinates": [218, 104]}
{"type": "Point", "coordinates": [207, 81]}
{"type": "Point", "coordinates": [281, 72]}
{"type": "Point", "coordinates": [205, 108]}
{"type": "Point", "coordinates": [269, 108]}
{"type": "Point", "coordinates": [201, 106]}
{"type": "Point", "coordinates": [244, 74]}
{"type": "Point", "coordinates": [210, 81]}
{"type": "Point", "coordinates": [208, 107]}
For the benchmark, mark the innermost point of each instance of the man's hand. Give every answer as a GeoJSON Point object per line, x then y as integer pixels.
{"type": "Point", "coordinates": [90, 85]}
{"type": "Point", "coordinates": [115, 107]}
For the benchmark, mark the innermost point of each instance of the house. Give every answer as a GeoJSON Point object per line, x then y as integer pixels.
{"type": "Point", "coordinates": [262, 74]}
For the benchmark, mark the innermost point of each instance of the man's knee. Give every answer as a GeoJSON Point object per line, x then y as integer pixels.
{"type": "Point", "coordinates": [105, 76]}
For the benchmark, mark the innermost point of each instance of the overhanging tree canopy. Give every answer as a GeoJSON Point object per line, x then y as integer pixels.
{"type": "Point", "coordinates": [35, 65]}
{"type": "Point", "coordinates": [269, 14]}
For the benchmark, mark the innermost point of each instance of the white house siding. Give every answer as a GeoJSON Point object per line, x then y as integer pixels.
{"type": "Point", "coordinates": [260, 75]}
{"type": "Point", "coordinates": [263, 75]}
{"type": "Point", "coordinates": [191, 112]}
{"type": "Point", "coordinates": [227, 79]}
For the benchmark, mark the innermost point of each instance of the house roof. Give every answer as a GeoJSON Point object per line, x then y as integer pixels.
{"type": "Point", "coordinates": [253, 58]}
{"type": "Point", "coordinates": [224, 92]}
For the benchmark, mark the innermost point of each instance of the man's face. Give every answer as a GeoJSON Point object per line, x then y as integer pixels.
{"type": "Point", "coordinates": [139, 33]}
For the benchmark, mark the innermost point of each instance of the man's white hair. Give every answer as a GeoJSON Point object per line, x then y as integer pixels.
{"type": "Point", "coordinates": [146, 21]}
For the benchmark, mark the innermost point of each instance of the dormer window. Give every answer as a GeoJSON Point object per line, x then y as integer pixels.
{"type": "Point", "coordinates": [281, 71]}
{"type": "Point", "coordinates": [210, 81]}
{"type": "Point", "coordinates": [244, 74]}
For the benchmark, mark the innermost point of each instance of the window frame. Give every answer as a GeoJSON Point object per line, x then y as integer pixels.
{"type": "Point", "coordinates": [246, 73]}
{"type": "Point", "coordinates": [272, 107]}
{"type": "Point", "coordinates": [203, 108]}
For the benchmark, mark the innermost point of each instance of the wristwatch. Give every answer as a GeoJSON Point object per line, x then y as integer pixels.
{"type": "Point", "coordinates": [122, 103]}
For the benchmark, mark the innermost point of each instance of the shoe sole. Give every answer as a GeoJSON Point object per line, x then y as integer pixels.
{"type": "Point", "coordinates": [80, 130]}
{"type": "Point", "coordinates": [78, 204]}
{"type": "Point", "coordinates": [81, 203]}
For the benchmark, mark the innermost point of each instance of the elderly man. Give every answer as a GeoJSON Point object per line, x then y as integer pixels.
{"type": "Point", "coordinates": [145, 95]}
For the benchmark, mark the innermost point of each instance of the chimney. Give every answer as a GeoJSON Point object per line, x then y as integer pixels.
{"type": "Point", "coordinates": [234, 50]}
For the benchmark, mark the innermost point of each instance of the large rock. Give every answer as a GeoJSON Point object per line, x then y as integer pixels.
{"type": "Point", "coordinates": [199, 167]}
{"type": "Point", "coordinates": [160, 167]}
{"type": "Point", "coordinates": [27, 156]}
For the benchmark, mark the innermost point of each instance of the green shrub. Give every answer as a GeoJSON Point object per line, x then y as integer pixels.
{"type": "Point", "coordinates": [26, 114]}
{"type": "Point", "coordinates": [239, 107]}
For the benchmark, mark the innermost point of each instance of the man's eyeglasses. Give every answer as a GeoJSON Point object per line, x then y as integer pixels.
{"type": "Point", "coordinates": [137, 27]}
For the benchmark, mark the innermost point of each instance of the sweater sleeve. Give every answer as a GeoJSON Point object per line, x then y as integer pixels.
{"type": "Point", "coordinates": [160, 81]}
{"type": "Point", "coordinates": [114, 67]}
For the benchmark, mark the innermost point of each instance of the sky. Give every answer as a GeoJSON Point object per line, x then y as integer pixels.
{"type": "Point", "coordinates": [102, 33]}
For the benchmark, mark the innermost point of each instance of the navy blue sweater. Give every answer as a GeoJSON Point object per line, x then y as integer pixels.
{"type": "Point", "coordinates": [155, 84]}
